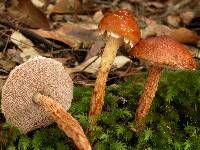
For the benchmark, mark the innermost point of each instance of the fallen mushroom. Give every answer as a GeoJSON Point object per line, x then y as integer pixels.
{"type": "Point", "coordinates": [119, 26]}
{"type": "Point", "coordinates": [159, 52]}
{"type": "Point", "coordinates": [26, 94]}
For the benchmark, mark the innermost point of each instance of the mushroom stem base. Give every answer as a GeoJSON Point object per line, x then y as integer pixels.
{"type": "Point", "coordinates": [65, 121]}
{"type": "Point", "coordinates": [108, 57]}
{"type": "Point", "coordinates": [147, 96]}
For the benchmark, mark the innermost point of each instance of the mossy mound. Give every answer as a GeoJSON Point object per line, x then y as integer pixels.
{"type": "Point", "coordinates": [173, 122]}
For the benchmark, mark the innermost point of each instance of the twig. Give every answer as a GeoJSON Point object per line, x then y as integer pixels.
{"type": "Point", "coordinates": [29, 34]}
{"type": "Point", "coordinates": [89, 64]}
{"type": "Point", "coordinates": [9, 37]}
{"type": "Point", "coordinates": [69, 50]}
{"type": "Point", "coordinates": [7, 41]}
{"type": "Point", "coordinates": [3, 77]}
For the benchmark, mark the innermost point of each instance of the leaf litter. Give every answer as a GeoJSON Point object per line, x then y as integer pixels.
{"type": "Point", "coordinates": [67, 31]}
{"type": "Point", "coordinates": [74, 28]}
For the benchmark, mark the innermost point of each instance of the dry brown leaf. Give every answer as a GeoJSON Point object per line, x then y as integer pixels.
{"type": "Point", "coordinates": [25, 12]}
{"type": "Point", "coordinates": [154, 4]}
{"type": "Point", "coordinates": [67, 6]}
{"type": "Point", "coordinates": [95, 48]}
{"type": "Point", "coordinates": [7, 65]}
{"type": "Point", "coordinates": [92, 68]}
{"type": "Point", "coordinates": [40, 3]}
{"type": "Point", "coordinates": [187, 16]}
{"type": "Point", "coordinates": [173, 20]}
{"type": "Point", "coordinates": [153, 7]}
{"type": "Point", "coordinates": [185, 35]}
{"type": "Point", "coordinates": [88, 25]}
{"type": "Point", "coordinates": [150, 24]}
{"type": "Point", "coordinates": [1, 55]}
{"type": "Point", "coordinates": [25, 45]}
{"type": "Point", "coordinates": [70, 34]}
{"type": "Point", "coordinates": [14, 55]}
{"type": "Point", "coordinates": [32, 15]}
{"type": "Point", "coordinates": [125, 5]}
{"type": "Point", "coordinates": [2, 82]}
{"type": "Point", "coordinates": [97, 16]}
{"type": "Point", "coordinates": [155, 30]}
{"type": "Point", "coordinates": [162, 30]}
{"type": "Point", "coordinates": [194, 51]}
{"type": "Point", "coordinates": [56, 35]}
{"type": "Point", "coordinates": [62, 60]}
{"type": "Point", "coordinates": [198, 43]}
{"type": "Point", "coordinates": [182, 35]}
{"type": "Point", "coordinates": [94, 63]}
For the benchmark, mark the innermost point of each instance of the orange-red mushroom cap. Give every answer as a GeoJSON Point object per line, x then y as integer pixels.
{"type": "Point", "coordinates": [164, 51]}
{"type": "Point", "coordinates": [122, 23]}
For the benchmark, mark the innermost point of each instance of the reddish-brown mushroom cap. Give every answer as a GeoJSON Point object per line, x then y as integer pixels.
{"type": "Point", "coordinates": [122, 23]}
{"type": "Point", "coordinates": [160, 52]}
{"type": "Point", "coordinates": [36, 75]}
{"type": "Point", "coordinates": [164, 51]}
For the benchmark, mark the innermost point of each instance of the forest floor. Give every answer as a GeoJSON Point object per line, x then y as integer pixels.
{"type": "Point", "coordinates": [67, 31]}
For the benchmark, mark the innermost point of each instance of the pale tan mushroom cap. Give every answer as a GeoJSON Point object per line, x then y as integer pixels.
{"type": "Point", "coordinates": [165, 52]}
{"type": "Point", "coordinates": [39, 74]}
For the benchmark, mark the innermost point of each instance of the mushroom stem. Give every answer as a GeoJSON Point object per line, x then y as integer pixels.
{"type": "Point", "coordinates": [65, 121]}
{"type": "Point", "coordinates": [108, 57]}
{"type": "Point", "coordinates": [147, 96]}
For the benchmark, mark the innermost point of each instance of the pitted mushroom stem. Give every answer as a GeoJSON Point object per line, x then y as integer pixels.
{"type": "Point", "coordinates": [119, 26]}
{"type": "Point", "coordinates": [105, 65]}
{"type": "Point", "coordinates": [162, 51]}
{"type": "Point", "coordinates": [147, 96]}
{"type": "Point", "coordinates": [65, 121]}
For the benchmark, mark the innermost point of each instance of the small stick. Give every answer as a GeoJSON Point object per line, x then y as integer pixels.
{"type": "Point", "coordinates": [30, 34]}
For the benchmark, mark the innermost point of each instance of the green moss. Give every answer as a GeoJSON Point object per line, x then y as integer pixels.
{"type": "Point", "coordinates": [173, 122]}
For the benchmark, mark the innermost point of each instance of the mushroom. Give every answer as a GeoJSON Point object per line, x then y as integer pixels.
{"type": "Point", "coordinates": [159, 52]}
{"type": "Point", "coordinates": [119, 26]}
{"type": "Point", "coordinates": [36, 94]}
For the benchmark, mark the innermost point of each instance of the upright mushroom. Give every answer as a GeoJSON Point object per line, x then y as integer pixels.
{"type": "Point", "coordinates": [119, 26]}
{"type": "Point", "coordinates": [159, 52]}
{"type": "Point", "coordinates": [37, 93]}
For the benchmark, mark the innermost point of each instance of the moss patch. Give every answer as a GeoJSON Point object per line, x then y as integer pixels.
{"type": "Point", "coordinates": [173, 122]}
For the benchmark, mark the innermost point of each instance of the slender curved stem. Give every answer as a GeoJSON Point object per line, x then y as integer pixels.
{"type": "Point", "coordinates": [108, 57]}
{"type": "Point", "coordinates": [65, 121]}
{"type": "Point", "coordinates": [147, 96]}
